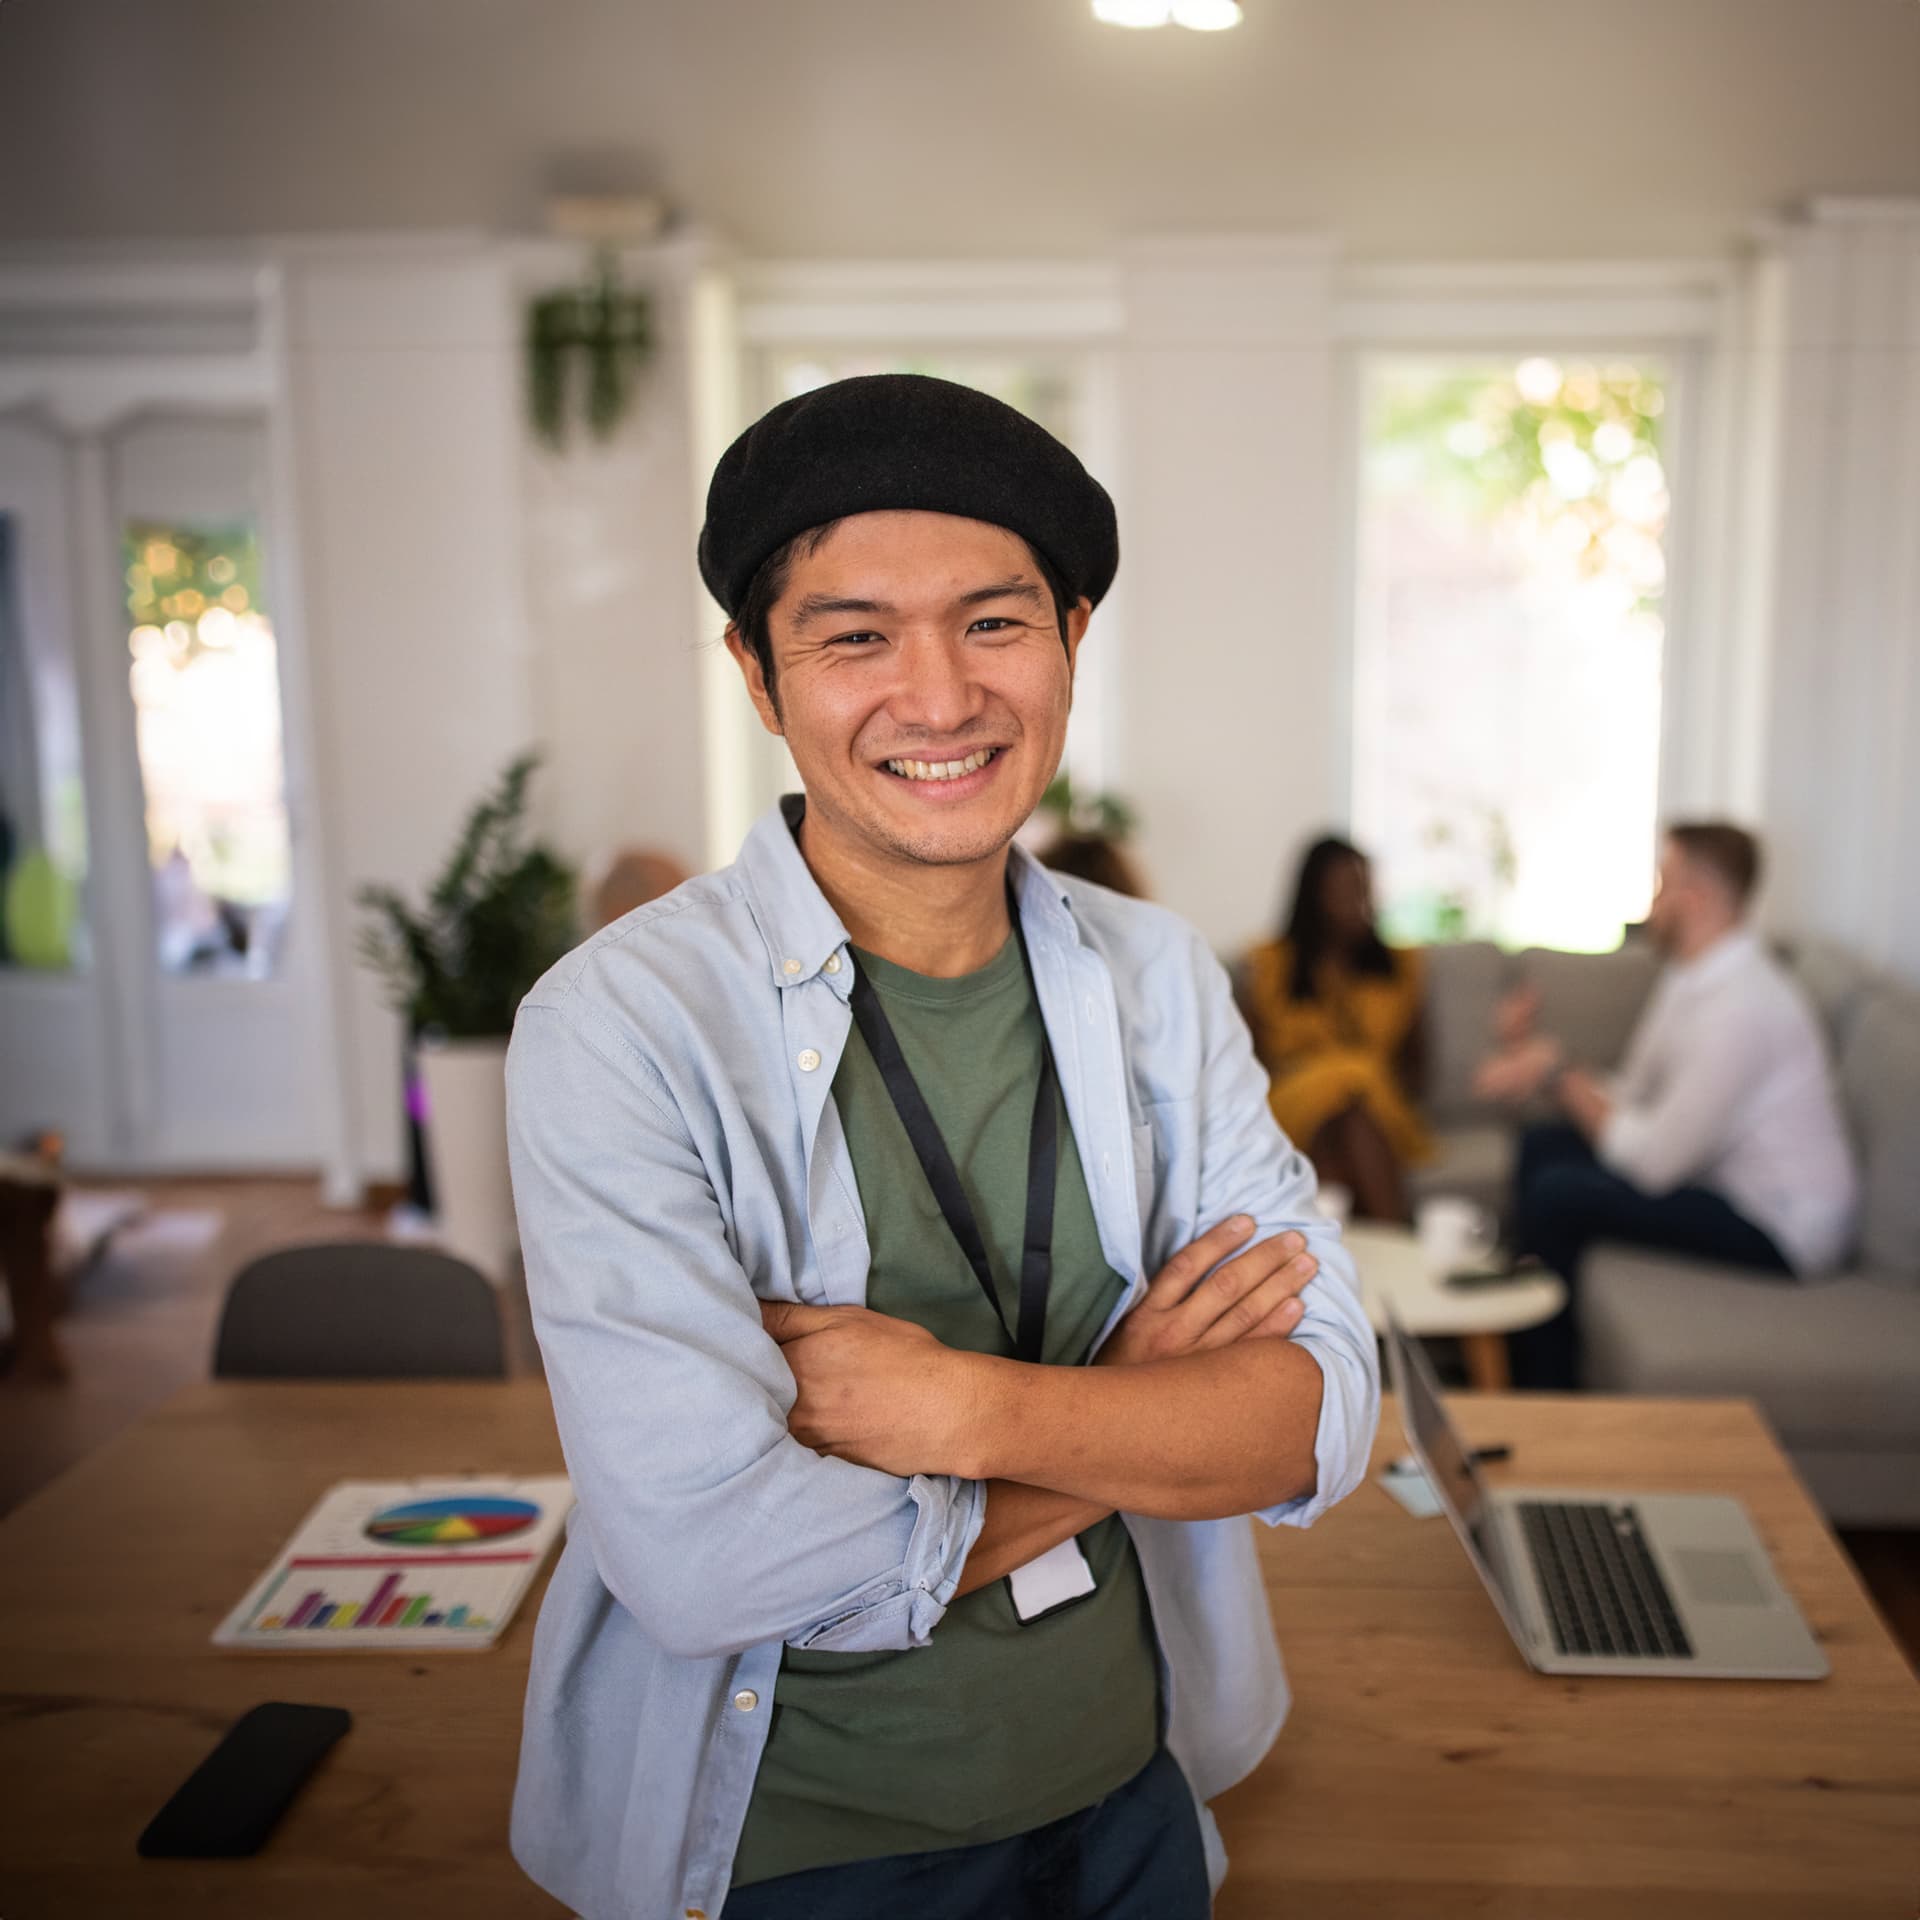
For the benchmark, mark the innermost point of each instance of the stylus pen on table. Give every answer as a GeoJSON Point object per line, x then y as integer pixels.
{"type": "Point", "coordinates": [1481, 1455]}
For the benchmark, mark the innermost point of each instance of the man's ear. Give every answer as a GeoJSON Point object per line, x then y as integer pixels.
{"type": "Point", "coordinates": [1077, 617]}
{"type": "Point", "coordinates": [751, 672]}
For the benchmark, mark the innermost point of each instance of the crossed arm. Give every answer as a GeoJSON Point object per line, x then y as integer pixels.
{"type": "Point", "coordinates": [1198, 1408]}
{"type": "Point", "coordinates": [720, 1508]}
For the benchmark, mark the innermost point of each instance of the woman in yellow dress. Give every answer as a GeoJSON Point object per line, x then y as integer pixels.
{"type": "Point", "coordinates": [1336, 1018]}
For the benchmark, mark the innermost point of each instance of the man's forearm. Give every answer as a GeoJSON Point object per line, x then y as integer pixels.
{"type": "Point", "coordinates": [1022, 1522]}
{"type": "Point", "coordinates": [1195, 1438]}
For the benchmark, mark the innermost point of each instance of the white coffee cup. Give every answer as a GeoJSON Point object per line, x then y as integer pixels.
{"type": "Point", "coordinates": [1454, 1232]}
{"type": "Point", "coordinates": [1334, 1201]}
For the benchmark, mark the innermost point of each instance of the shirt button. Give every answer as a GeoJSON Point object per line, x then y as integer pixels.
{"type": "Point", "coordinates": [789, 966]}
{"type": "Point", "coordinates": [1089, 1009]}
{"type": "Point", "coordinates": [746, 1699]}
{"type": "Point", "coordinates": [1106, 1165]}
{"type": "Point", "coordinates": [833, 963]}
{"type": "Point", "coordinates": [808, 1059]}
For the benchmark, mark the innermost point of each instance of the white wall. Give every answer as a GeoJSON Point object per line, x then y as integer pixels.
{"type": "Point", "coordinates": [1230, 744]}
{"type": "Point", "coordinates": [1835, 342]}
{"type": "Point", "coordinates": [867, 128]}
{"type": "Point", "coordinates": [467, 596]}
{"type": "Point", "coordinates": [617, 620]}
{"type": "Point", "coordinates": [404, 456]}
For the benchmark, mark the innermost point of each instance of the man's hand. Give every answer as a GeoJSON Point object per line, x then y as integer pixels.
{"type": "Point", "coordinates": [1584, 1100]}
{"type": "Point", "coordinates": [875, 1390]}
{"type": "Point", "coordinates": [1189, 1309]}
{"type": "Point", "coordinates": [1514, 1016]}
{"type": "Point", "coordinates": [1519, 1072]}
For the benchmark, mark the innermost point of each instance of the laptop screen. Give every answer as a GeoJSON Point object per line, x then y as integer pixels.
{"type": "Point", "coordinates": [1424, 1415]}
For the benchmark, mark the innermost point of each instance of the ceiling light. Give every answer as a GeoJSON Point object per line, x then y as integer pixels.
{"type": "Point", "coordinates": [1133, 13]}
{"type": "Point", "coordinates": [1207, 16]}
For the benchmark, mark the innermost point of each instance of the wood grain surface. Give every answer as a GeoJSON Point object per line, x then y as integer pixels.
{"type": "Point", "coordinates": [1425, 1771]}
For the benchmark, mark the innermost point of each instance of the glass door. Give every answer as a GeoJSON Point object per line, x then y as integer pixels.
{"type": "Point", "coordinates": [225, 994]}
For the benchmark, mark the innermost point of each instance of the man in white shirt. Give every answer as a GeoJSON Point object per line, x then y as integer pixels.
{"type": "Point", "coordinates": [1719, 1137]}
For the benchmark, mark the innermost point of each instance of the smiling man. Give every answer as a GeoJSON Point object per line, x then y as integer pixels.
{"type": "Point", "coordinates": [925, 1290]}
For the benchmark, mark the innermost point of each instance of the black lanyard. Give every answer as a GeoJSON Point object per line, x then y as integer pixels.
{"type": "Point", "coordinates": [1043, 1150]}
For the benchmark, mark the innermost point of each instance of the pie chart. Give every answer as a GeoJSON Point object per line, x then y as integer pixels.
{"type": "Point", "coordinates": [456, 1521]}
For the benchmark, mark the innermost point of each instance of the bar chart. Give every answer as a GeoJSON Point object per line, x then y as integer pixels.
{"type": "Point", "coordinates": [317, 1594]}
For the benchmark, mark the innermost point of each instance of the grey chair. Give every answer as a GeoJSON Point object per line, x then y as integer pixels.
{"type": "Point", "coordinates": [359, 1309]}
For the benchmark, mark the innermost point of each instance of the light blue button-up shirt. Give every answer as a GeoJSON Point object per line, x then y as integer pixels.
{"type": "Point", "coordinates": [677, 1159]}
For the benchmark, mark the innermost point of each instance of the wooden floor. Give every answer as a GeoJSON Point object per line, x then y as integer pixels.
{"type": "Point", "coordinates": [129, 1354]}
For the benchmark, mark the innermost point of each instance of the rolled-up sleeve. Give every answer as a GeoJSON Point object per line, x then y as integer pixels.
{"type": "Point", "coordinates": [708, 1521]}
{"type": "Point", "coordinates": [1247, 1165]}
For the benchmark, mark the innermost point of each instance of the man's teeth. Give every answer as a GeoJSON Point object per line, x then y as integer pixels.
{"type": "Point", "coordinates": [941, 769]}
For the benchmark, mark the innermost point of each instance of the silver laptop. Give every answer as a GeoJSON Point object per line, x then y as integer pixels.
{"type": "Point", "coordinates": [1629, 1583]}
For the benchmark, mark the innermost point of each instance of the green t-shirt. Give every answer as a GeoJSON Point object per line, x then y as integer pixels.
{"type": "Point", "coordinates": [996, 1725]}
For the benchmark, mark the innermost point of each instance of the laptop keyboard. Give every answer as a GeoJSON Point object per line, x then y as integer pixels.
{"type": "Point", "coordinates": [1603, 1592]}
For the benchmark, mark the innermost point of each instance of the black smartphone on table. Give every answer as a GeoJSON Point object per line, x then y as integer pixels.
{"type": "Point", "coordinates": [229, 1803]}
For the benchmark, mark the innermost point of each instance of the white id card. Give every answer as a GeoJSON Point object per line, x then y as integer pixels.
{"type": "Point", "coordinates": [1057, 1576]}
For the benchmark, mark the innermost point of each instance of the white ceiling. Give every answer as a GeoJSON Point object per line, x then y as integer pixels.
{"type": "Point", "coordinates": [1007, 127]}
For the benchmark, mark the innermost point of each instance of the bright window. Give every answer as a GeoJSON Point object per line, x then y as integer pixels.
{"type": "Point", "coordinates": [1509, 626]}
{"type": "Point", "coordinates": [205, 681]}
{"type": "Point", "coordinates": [43, 816]}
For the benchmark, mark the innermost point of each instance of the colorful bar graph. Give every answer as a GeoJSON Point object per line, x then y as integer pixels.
{"type": "Point", "coordinates": [387, 1605]}
{"type": "Point", "coordinates": [377, 1602]}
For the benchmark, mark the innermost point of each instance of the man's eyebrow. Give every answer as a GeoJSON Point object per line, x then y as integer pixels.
{"type": "Point", "coordinates": [814, 606]}
{"type": "Point", "coordinates": [817, 606]}
{"type": "Point", "coordinates": [1001, 590]}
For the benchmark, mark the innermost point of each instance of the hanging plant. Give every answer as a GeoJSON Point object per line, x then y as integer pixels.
{"type": "Point", "coordinates": [585, 348]}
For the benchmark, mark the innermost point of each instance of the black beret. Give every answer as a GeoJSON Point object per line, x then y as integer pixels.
{"type": "Point", "coordinates": [887, 442]}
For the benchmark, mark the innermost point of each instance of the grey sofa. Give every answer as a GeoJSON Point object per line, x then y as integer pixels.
{"type": "Point", "coordinates": [1834, 1362]}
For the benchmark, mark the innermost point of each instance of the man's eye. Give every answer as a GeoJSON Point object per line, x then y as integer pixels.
{"type": "Point", "coordinates": [993, 623]}
{"type": "Point", "coordinates": [854, 639]}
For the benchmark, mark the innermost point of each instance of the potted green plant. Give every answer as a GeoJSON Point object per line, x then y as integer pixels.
{"type": "Point", "coordinates": [500, 913]}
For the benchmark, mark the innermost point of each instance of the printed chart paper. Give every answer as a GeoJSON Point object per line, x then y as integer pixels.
{"type": "Point", "coordinates": [403, 1564]}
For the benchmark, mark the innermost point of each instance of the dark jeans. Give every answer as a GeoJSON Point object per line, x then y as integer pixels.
{"type": "Point", "coordinates": [1136, 1855]}
{"type": "Point", "coordinates": [1564, 1201]}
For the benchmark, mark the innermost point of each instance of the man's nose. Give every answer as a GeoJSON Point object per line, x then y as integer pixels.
{"type": "Point", "coordinates": [936, 691]}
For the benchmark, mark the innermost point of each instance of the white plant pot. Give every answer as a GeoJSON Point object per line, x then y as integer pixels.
{"type": "Point", "coordinates": [465, 1083]}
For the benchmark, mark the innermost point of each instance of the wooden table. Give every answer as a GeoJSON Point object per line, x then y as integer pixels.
{"type": "Point", "coordinates": [1425, 1771]}
{"type": "Point", "coordinates": [110, 1693]}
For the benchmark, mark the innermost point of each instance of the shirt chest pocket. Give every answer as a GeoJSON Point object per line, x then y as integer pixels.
{"type": "Point", "coordinates": [1166, 1171]}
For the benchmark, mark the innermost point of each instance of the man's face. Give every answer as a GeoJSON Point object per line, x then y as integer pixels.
{"type": "Point", "coordinates": [1673, 892]}
{"type": "Point", "coordinates": [923, 685]}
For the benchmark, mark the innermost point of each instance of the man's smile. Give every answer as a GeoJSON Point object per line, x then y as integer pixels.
{"type": "Point", "coordinates": [947, 779]}
{"type": "Point", "coordinates": [942, 769]}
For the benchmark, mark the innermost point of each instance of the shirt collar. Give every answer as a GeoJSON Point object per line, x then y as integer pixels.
{"type": "Point", "coordinates": [801, 929]}
{"type": "Point", "coordinates": [1731, 951]}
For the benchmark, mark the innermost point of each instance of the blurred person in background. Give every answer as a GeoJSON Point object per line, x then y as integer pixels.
{"type": "Point", "coordinates": [1721, 1135]}
{"type": "Point", "coordinates": [632, 877]}
{"type": "Point", "coordinates": [1336, 1016]}
{"type": "Point", "coordinates": [1097, 857]}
